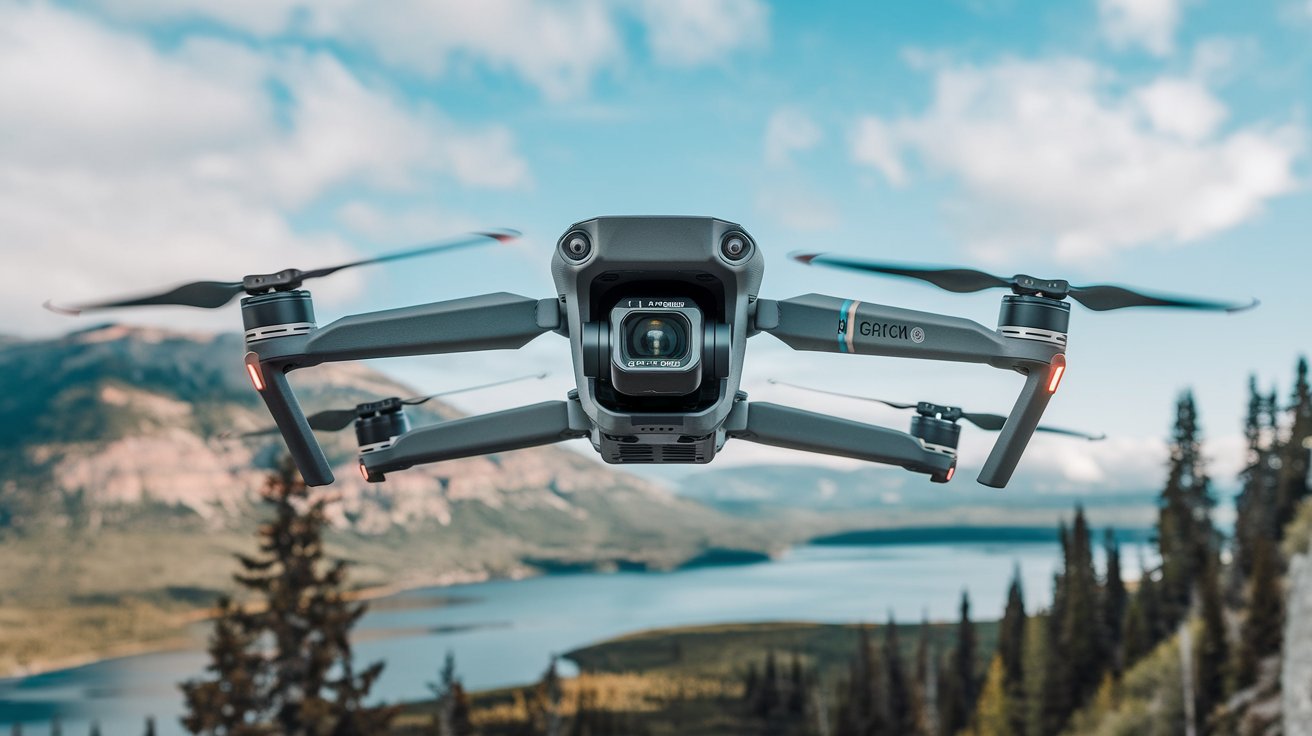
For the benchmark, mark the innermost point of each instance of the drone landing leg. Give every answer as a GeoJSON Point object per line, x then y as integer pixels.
{"type": "Point", "coordinates": [1018, 430]}
{"type": "Point", "coordinates": [797, 429]}
{"type": "Point", "coordinates": [514, 429]}
{"type": "Point", "coordinates": [287, 414]}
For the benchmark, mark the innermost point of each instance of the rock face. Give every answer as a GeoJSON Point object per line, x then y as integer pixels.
{"type": "Point", "coordinates": [1296, 665]}
{"type": "Point", "coordinates": [114, 418]}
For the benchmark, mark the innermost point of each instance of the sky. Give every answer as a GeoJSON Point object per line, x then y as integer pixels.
{"type": "Point", "coordinates": [1158, 143]}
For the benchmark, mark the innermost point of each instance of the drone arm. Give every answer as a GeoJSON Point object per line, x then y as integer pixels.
{"type": "Point", "coordinates": [829, 324]}
{"type": "Point", "coordinates": [489, 322]}
{"type": "Point", "coordinates": [833, 325]}
{"type": "Point", "coordinates": [513, 429]}
{"type": "Point", "coordinates": [797, 429]}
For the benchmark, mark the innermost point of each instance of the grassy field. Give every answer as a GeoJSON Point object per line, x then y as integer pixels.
{"type": "Point", "coordinates": [687, 680]}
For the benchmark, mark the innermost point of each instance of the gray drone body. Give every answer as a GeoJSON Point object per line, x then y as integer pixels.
{"type": "Point", "coordinates": [657, 311]}
{"type": "Point", "coordinates": [694, 277]}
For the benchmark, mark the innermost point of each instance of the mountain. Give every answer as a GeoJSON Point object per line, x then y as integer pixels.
{"type": "Point", "coordinates": [110, 447]}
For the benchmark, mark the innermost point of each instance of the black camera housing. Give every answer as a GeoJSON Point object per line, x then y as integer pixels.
{"type": "Point", "coordinates": [677, 270]}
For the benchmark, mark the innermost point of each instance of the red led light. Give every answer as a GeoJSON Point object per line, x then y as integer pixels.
{"type": "Point", "coordinates": [256, 379]}
{"type": "Point", "coordinates": [1055, 373]}
{"type": "Point", "coordinates": [951, 472]}
{"type": "Point", "coordinates": [364, 473]}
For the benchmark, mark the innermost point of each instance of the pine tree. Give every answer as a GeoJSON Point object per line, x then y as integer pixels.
{"type": "Point", "coordinates": [1211, 652]}
{"type": "Point", "coordinates": [306, 682]}
{"type": "Point", "coordinates": [444, 694]}
{"type": "Point", "coordinates": [797, 689]}
{"type": "Point", "coordinates": [995, 714]}
{"type": "Point", "coordinates": [1184, 528]}
{"type": "Point", "coordinates": [150, 726]}
{"type": "Point", "coordinates": [545, 705]}
{"type": "Point", "coordinates": [901, 715]}
{"type": "Point", "coordinates": [1115, 602]}
{"type": "Point", "coordinates": [1263, 625]}
{"type": "Point", "coordinates": [926, 689]}
{"type": "Point", "coordinates": [751, 683]}
{"type": "Point", "coordinates": [961, 686]}
{"type": "Point", "coordinates": [462, 723]}
{"type": "Point", "coordinates": [1011, 649]}
{"type": "Point", "coordinates": [1040, 685]}
{"type": "Point", "coordinates": [1295, 452]}
{"type": "Point", "coordinates": [1079, 632]}
{"type": "Point", "coordinates": [1254, 515]}
{"type": "Point", "coordinates": [1011, 634]}
{"type": "Point", "coordinates": [768, 698]}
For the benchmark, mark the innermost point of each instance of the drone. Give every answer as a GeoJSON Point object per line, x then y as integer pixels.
{"type": "Point", "coordinates": [657, 311]}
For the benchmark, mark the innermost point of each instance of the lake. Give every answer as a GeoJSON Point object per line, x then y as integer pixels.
{"type": "Point", "coordinates": [503, 632]}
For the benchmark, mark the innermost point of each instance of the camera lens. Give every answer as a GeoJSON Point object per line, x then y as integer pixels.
{"type": "Point", "coordinates": [735, 247]}
{"type": "Point", "coordinates": [656, 337]}
{"type": "Point", "coordinates": [576, 246]}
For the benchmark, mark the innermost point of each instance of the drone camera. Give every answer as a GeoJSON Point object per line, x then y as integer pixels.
{"type": "Point", "coordinates": [576, 246]}
{"type": "Point", "coordinates": [656, 347]}
{"type": "Point", "coordinates": [735, 246]}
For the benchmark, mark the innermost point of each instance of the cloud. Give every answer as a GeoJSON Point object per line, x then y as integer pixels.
{"type": "Point", "coordinates": [200, 156]}
{"type": "Point", "coordinates": [789, 131]}
{"type": "Point", "coordinates": [1057, 153]}
{"type": "Point", "coordinates": [558, 47]}
{"type": "Point", "coordinates": [1149, 24]}
{"type": "Point", "coordinates": [695, 32]}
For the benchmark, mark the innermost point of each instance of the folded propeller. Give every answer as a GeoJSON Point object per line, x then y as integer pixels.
{"type": "Point", "coordinates": [990, 422]}
{"type": "Point", "coordinates": [215, 294]}
{"type": "Point", "coordinates": [334, 420]}
{"type": "Point", "coordinates": [1098, 297]}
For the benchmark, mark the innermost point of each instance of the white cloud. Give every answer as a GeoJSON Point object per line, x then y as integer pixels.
{"type": "Point", "coordinates": [789, 131]}
{"type": "Point", "coordinates": [1181, 107]}
{"type": "Point", "coordinates": [1049, 154]}
{"type": "Point", "coordinates": [796, 208]}
{"type": "Point", "coordinates": [875, 144]}
{"type": "Point", "coordinates": [110, 146]}
{"type": "Point", "coordinates": [558, 47]}
{"type": "Point", "coordinates": [1150, 24]}
{"type": "Point", "coordinates": [694, 32]}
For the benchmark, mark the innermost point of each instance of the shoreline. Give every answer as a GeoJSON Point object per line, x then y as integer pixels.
{"type": "Point", "coordinates": [184, 619]}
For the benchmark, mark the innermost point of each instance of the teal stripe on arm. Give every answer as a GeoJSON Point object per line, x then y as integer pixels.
{"type": "Point", "coordinates": [843, 326]}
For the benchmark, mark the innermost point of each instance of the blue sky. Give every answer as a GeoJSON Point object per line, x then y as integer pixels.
{"type": "Point", "coordinates": [1160, 143]}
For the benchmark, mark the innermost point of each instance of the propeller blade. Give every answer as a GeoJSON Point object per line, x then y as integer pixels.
{"type": "Point", "coordinates": [959, 280]}
{"type": "Point", "coordinates": [203, 294]}
{"type": "Point", "coordinates": [991, 422]}
{"type": "Point", "coordinates": [215, 294]}
{"type": "Point", "coordinates": [334, 420]}
{"type": "Point", "coordinates": [1101, 298]}
{"type": "Point", "coordinates": [466, 241]}
{"type": "Point", "coordinates": [1070, 433]}
{"type": "Point", "coordinates": [893, 404]}
{"type": "Point", "coordinates": [417, 400]}
{"type": "Point", "coordinates": [331, 420]}
{"type": "Point", "coordinates": [994, 422]}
